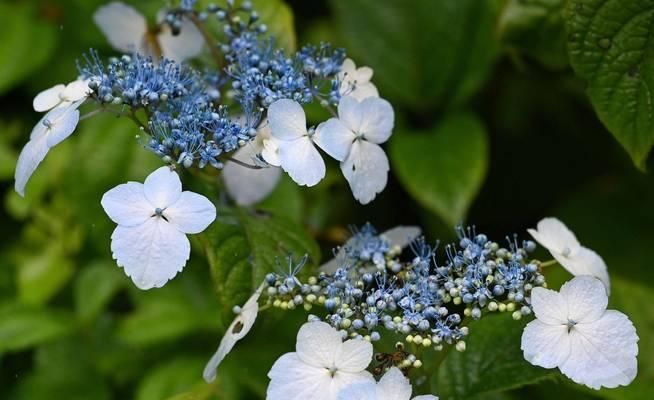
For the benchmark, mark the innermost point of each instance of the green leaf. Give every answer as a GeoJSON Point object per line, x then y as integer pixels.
{"type": "Point", "coordinates": [63, 370]}
{"type": "Point", "coordinates": [536, 28]}
{"type": "Point", "coordinates": [492, 362]}
{"type": "Point", "coordinates": [22, 327]}
{"type": "Point", "coordinates": [242, 250]}
{"type": "Point", "coordinates": [162, 321]}
{"type": "Point", "coordinates": [42, 275]}
{"type": "Point", "coordinates": [27, 43]}
{"type": "Point", "coordinates": [610, 46]}
{"type": "Point", "coordinates": [278, 17]}
{"type": "Point", "coordinates": [285, 200]}
{"type": "Point", "coordinates": [443, 168]}
{"type": "Point", "coordinates": [171, 378]}
{"type": "Point", "coordinates": [431, 53]}
{"type": "Point", "coordinates": [95, 287]}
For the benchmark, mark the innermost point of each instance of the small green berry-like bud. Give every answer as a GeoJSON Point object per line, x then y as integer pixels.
{"type": "Point", "coordinates": [426, 342]}
{"type": "Point", "coordinates": [417, 364]}
{"type": "Point", "coordinates": [417, 339]}
{"type": "Point", "coordinates": [409, 339]}
{"type": "Point", "coordinates": [492, 306]}
{"type": "Point", "coordinates": [516, 315]}
{"type": "Point", "coordinates": [510, 307]}
{"type": "Point", "coordinates": [502, 307]}
{"type": "Point", "coordinates": [461, 346]}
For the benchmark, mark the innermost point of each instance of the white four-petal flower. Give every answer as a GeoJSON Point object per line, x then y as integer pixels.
{"type": "Point", "coordinates": [291, 144]}
{"type": "Point", "coordinates": [54, 127]}
{"type": "Point", "coordinates": [567, 251]}
{"type": "Point", "coordinates": [575, 332]}
{"type": "Point", "coordinates": [322, 365]}
{"type": "Point", "coordinates": [236, 331]}
{"type": "Point", "coordinates": [153, 219]}
{"type": "Point", "coordinates": [355, 81]}
{"type": "Point", "coordinates": [354, 138]}
{"type": "Point", "coordinates": [245, 185]}
{"type": "Point", "coordinates": [127, 30]}
{"type": "Point", "coordinates": [392, 386]}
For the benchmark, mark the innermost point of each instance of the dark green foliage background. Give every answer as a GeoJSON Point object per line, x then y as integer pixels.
{"type": "Point", "coordinates": [507, 111]}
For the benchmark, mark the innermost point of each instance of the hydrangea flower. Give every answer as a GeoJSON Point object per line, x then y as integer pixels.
{"type": "Point", "coordinates": [575, 332]}
{"type": "Point", "coordinates": [321, 366]}
{"type": "Point", "coordinates": [127, 31]}
{"type": "Point", "coordinates": [567, 251]}
{"type": "Point", "coordinates": [52, 129]}
{"type": "Point", "coordinates": [153, 219]}
{"type": "Point", "coordinates": [61, 95]}
{"type": "Point", "coordinates": [355, 81]}
{"type": "Point", "coordinates": [291, 144]}
{"type": "Point", "coordinates": [246, 185]}
{"type": "Point", "coordinates": [398, 237]}
{"type": "Point", "coordinates": [354, 138]}
{"type": "Point", "coordinates": [237, 330]}
{"type": "Point", "coordinates": [392, 386]}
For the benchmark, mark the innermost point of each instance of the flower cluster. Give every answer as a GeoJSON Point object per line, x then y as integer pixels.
{"type": "Point", "coordinates": [369, 287]}
{"type": "Point", "coordinates": [247, 112]}
{"type": "Point", "coordinates": [424, 299]}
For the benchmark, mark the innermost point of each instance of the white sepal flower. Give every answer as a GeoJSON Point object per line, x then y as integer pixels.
{"type": "Point", "coordinates": [52, 129]}
{"type": "Point", "coordinates": [354, 138]}
{"type": "Point", "coordinates": [236, 331]}
{"type": "Point", "coordinates": [153, 219]}
{"type": "Point", "coordinates": [575, 332]}
{"type": "Point", "coordinates": [567, 251]}
{"type": "Point", "coordinates": [127, 31]}
{"type": "Point", "coordinates": [291, 145]}
{"type": "Point", "coordinates": [321, 366]}
{"type": "Point", "coordinates": [392, 386]}
{"type": "Point", "coordinates": [249, 186]}
{"type": "Point", "coordinates": [400, 237]}
{"type": "Point", "coordinates": [61, 95]}
{"type": "Point", "coordinates": [355, 81]}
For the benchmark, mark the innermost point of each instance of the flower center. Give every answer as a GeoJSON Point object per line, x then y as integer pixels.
{"type": "Point", "coordinates": [47, 123]}
{"type": "Point", "coordinates": [332, 371]}
{"type": "Point", "coordinates": [158, 212]}
{"type": "Point", "coordinates": [571, 323]}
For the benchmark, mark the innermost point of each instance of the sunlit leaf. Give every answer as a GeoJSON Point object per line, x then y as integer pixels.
{"type": "Point", "coordinates": [443, 168]}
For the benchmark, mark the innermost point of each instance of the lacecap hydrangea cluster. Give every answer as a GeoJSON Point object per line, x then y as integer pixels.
{"type": "Point", "coordinates": [195, 117]}
{"type": "Point", "coordinates": [425, 298]}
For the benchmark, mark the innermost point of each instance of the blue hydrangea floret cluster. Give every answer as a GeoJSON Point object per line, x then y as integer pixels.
{"type": "Point", "coordinates": [425, 299]}
{"type": "Point", "coordinates": [197, 118]}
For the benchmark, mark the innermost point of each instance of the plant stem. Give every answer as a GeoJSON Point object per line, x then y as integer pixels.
{"type": "Point", "coordinates": [207, 38]}
{"type": "Point", "coordinates": [90, 114]}
{"type": "Point", "coordinates": [243, 164]}
{"type": "Point", "coordinates": [547, 263]}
